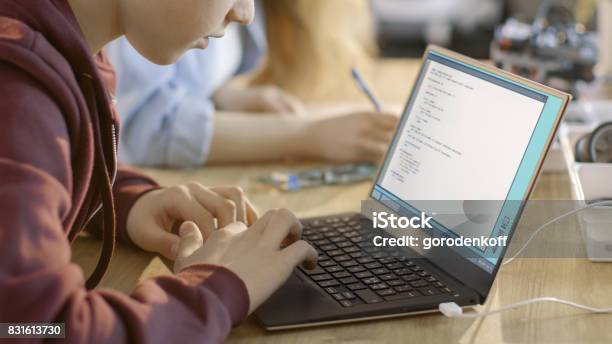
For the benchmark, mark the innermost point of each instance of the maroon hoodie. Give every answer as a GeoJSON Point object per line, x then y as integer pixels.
{"type": "Point", "coordinates": [58, 174]}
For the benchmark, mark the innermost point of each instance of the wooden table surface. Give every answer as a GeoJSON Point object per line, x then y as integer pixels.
{"type": "Point", "coordinates": [574, 279]}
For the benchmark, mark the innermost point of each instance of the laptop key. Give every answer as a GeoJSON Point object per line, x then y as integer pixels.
{"type": "Point", "coordinates": [379, 255]}
{"type": "Point", "coordinates": [371, 280]}
{"type": "Point", "coordinates": [428, 291]}
{"type": "Point", "coordinates": [349, 263]}
{"type": "Point", "coordinates": [364, 244]}
{"type": "Point", "coordinates": [349, 280]}
{"type": "Point", "coordinates": [335, 253]}
{"type": "Point", "coordinates": [356, 286]}
{"type": "Point", "coordinates": [356, 268]}
{"type": "Point", "coordinates": [338, 297]}
{"type": "Point", "coordinates": [368, 296]}
{"type": "Point", "coordinates": [342, 258]}
{"type": "Point", "coordinates": [403, 288]}
{"type": "Point", "coordinates": [351, 249]}
{"type": "Point", "coordinates": [363, 274]}
{"type": "Point", "coordinates": [321, 242]}
{"type": "Point", "coordinates": [348, 295]}
{"type": "Point", "coordinates": [380, 271]}
{"type": "Point", "coordinates": [394, 283]}
{"type": "Point", "coordinates": [402, 271]}
{"type": "Point", "coordinates": [401, 296]}
{"type": "Point", "coordinates": [379, 286]}
{"type": "Point", "coordinates": [329, 283]}
{"type": "Point", "coordinates": [347, 303]}
{"type": "Point", "coordinates": [439, 284]}
{"type": "Point", "coordinates": [365, 260]}
{"type": "Point", "coordinates": [351, 234]}
{"type": "Point", "coordinates": [334, 268]}
{"type": "Point", "coordinates": [338, 239]}
{"type": "Point", "coordinates": [316, 271]}
{"type": "Point", "coordinates": [387, 277]}
{"type": "Point", "coordinates": [344, 244]}
{"type": "Point", "coordinates": [386, 292]}
{"type": "Point", "coordinates": [328, 247]}
{"type": "Point", "coordinates": [418, 284]}
{"type": "Point", "coordinates": [357, 254]}
{"type": "Point", "coordinates": [308, 231]}
{"type": "Point", "coordinates": [327, 263]}
{"type": "Point", "coordinates": [344, 229]}
{"type": "Point", "coordinates": [374, 265]}
{"type": "Point", "coordinates": [341, 274]}
{"type": "Point", "coordinates": [332, 290]}
{"type": "Point", "coordinates": [445, 290]}
{"type": "Point", "coordinates": [431, 279]}
{"type": "Point", "coordinates": [411, 277]}
{"type": "Point", "coordinates": [322, 277]}
{"type": "Point", "coordinates": [331, 234]}
{"type": "Point", "coordinates": [393, 266]}
{"type": "Point", "coordinates": [323, 257]}
{"type": "Point", "coordinates": [387, 260]}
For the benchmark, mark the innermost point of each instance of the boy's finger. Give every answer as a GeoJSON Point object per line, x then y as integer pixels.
{"type": "Point", "coordinates": [251, 212]}
{"type": "Point", "coordinates": [237, 197]}
{"type": "Point", "coordinates": [164, 242]}
{"type": "Point", "coordinates": [301, 252]}
{"type": "Point", "coordinates": [185, 208]}
{"type": "Point", "coordinates": [282, 228]}
{"type": "Point", "coordinates": [191, 239]}
{"type": "Point", "coordinates": [223, 209]}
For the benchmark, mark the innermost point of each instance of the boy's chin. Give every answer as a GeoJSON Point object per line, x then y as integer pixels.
{"type": "Point", "coordinates": [164, 59]}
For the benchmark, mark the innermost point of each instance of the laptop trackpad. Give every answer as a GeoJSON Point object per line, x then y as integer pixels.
{"type": "Point", "coordinates": [296, 301]}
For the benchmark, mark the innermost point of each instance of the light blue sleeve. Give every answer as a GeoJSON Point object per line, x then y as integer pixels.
{"type": "Point", "coordinates": [166, 111]}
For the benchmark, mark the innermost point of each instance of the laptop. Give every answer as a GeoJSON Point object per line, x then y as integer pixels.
{"type": "Point", "coordinates": [469, 132]}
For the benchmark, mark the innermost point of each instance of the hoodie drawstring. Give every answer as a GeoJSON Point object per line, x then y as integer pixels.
{"type": "Point", "coordinates": [101, 172]}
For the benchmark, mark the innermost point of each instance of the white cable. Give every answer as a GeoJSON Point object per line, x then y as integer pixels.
{"type": "Point", "coordinates": [452, 310]}
{"type": "Point", "coordinates": [556, 219]}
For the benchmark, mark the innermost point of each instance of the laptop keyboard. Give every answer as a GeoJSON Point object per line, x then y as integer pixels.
{"type": "Point", "coordinates": [353, 271]}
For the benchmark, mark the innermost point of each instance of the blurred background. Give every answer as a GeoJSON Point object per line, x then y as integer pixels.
{"type": "Point", "coordinates": [405, 27]}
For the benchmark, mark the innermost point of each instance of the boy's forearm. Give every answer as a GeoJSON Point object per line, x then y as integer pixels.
{"type": "Point", "coordinates": [252, 138]}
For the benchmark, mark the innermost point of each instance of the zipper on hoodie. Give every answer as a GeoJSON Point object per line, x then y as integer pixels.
{"type": "Point", "coordinates": [114, 133]}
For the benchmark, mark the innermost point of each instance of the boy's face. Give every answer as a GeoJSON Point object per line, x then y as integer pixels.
{"type": "Point", "coordinates": [162, 30]}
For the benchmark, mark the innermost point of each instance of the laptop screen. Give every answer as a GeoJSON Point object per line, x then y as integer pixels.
{"type": "Point", "coordinates": [467, 134]}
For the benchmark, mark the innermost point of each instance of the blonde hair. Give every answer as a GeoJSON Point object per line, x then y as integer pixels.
{"type": "Point", "coordinates": [313, 44]}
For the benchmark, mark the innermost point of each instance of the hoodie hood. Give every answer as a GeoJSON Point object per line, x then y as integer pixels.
{"type": "Point", "coordinates": [52, 22]}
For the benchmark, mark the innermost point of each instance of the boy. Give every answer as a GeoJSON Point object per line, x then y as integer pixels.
{"type": "Point", "coordinates": [59, 174]}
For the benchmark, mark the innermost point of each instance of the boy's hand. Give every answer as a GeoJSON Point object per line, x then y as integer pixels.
{"type": "Point", "coordinates": [152, 217]}
{"type": "Point", "coordinates": [358, 136]}
{"type": "Point", "coordinates": [262, 256]}
{"type": "Point", "coordinates": [257, 99]}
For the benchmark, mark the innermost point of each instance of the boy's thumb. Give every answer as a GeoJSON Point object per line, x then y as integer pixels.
{"type": "Point", "coordinates": [190, 240]}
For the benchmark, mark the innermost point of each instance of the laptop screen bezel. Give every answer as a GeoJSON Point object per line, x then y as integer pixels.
{"type": "Point", "coordinates": [451, 261]}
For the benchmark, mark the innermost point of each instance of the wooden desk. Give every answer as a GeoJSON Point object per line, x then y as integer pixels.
{"type": "Point", "coordinates": [572, 279]}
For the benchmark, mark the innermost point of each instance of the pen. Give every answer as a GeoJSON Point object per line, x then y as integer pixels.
{"type": "Point", "coordinates": [361, 84]}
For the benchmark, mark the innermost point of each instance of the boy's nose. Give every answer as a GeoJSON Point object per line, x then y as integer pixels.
{"type": "Point", "coordinates": [243, 12]}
